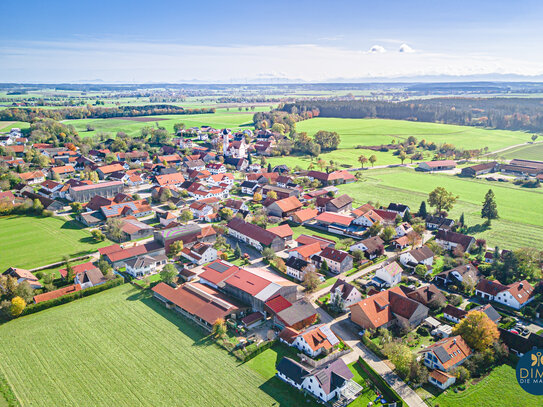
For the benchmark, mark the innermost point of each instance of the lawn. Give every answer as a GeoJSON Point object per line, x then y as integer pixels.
{"type": "Point", "coordinates": [220, 119]}
{"type": "Point", "coordinates": [30, 242]}
{"type": "Point", "coordinates": [528, 152]}
{"type": "Point", "coordinates": [367, 132]}
{"type": "Point", "coordinates": [123, 348]}
{"type": "Point", "coordinates": [499, 388]}
{"type": "Point", "coordinates": [520, 209]}
{"type": "Point", "coordinates": [302, 230]}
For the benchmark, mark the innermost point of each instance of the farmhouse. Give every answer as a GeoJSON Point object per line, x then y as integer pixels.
{"type": "Point", "coordinates": [200, 253]}
{"type": "Point", "coordinates": [457, 275]}
{"type": "Point", "coordinates": [90, 278]}
{"type": "Point", "coordinates": [314, 340]}
{"type": "Point", "coordinates": [342, 203]}
{"type": "Point", "coordinates": [254, 235]}
{"type": "Point", "coordinates": [283, 231]}
{"type": "Point", "coordinates": [32, 177]}
{"type": "Point", "coordinates": [480, 169]}
{"type": "Point", "coordinates": [284, 207]}
{"type": "Point", "coordinates": [438, 222]}
{"type": "Point", "coordinates": [338, 261]}
{"type": "Point", "coordinates": [372, 247]}
{"type": "Point", "coordinates": [23, 275]}
{"type": "Point", "coordinates": [297, 267]}
{"type": "Point", "coordinates": [421, 255]}
{"type": "Point", "coordinates": [332, 178]}
{"type": "Point", "coordinates": [441, 165]}
{"type": "Point", "coordinates": [303, 216]}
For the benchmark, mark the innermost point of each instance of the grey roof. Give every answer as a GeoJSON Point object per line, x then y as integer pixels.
{"type": "Point", "coordinates": [297, 312]}
{"type": "Point", "coordinates": [219, 267]}
{"type": "Point", "coordinates": [269, 291]}
{"type": "Point", "coordinates": [422, 253]}
{"type": "Point", "coordinates": [292, 370]}
{"type": "Point", "coordinates": [296, 263]}
{"type": "Point", "coordinates": [333, 375]}
{"type": "Point", "coordinates": [441, 354]}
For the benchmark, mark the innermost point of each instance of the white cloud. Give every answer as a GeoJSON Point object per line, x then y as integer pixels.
{"type": "Point", "coordinates": [405, 48]}
{"type": "Point", "coordinates": [378, 49]}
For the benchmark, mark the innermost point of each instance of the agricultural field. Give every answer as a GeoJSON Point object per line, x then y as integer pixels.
{"type": "Point", "coordinates": [30, 242]}
{"type": "Point", "coordinates": [132, 126]}
{"type": "Point", "coordinates": [528, 152]}
{"type": "Point", "coordinates": [122, 348]}
{"type": "Point", "coordinates": [520, 209]}
{"type": "Point", "coordinates": [7, 126]}
{"type": "Point", "coordinates": [368, 132]}
{"type": "Point", "coordinates": [499, 388]}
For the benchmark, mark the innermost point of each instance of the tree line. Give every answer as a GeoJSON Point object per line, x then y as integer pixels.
{"type": "Point", "coordinates": [499, 113]}
{"type": "Point", "coordinates": [95, 112]}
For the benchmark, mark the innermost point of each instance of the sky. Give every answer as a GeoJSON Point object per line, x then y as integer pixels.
{"type": "Point", "coordinates": [269, 41]}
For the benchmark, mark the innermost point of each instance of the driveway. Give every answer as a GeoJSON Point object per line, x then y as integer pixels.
{"type": "Point", "coordinates": [254, 255]}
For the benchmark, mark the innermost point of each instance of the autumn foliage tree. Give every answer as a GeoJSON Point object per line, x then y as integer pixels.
{"type": "Point", "coordinates": [477, 330]}
{"type": "Point", "coordinates": [17, 306]}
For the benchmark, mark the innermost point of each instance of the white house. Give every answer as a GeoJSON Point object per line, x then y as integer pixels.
{"type": "Point", "coordinates": [515, 295]}
{"type": "Point", "coordinates": [315, 340]}
{"type": "Point", "coordinates": [200, 209]}
{"type": "Point", "coordinates": [391, 274]}
{"type": "Point", "coordinates": [421, 255]}
{"type": "Point", "coordinates": [348, 293]}
{"type": "Point", "coordinates": [297, 267]}
{"type": "Point", "coordinates": [200, 253]}
{"type": "Point", "coordinates": [89, 278]}
{"type": "Point", "coordinates": [144, 265]}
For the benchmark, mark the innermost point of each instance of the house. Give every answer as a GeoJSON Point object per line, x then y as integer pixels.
{"type": "Point", "coordinates": [200, 253]}
{"type": "Point", "coordinates": [451, 240]}
{"type": "Point", "coordinates": [201, 209]}
{"type": "Point", "coordinates": [23, 275]}
{"type": "Point", "coordinates": [165, 217]}
{"type": "Point", "coordinates": [332, 178]}
{"type": "Point", "coordinates": [421, 255]}
{"type": "Point", "coordinates": [438, 222]}
{"type": "Point", "coordinates": [426, 295]}
{"type": "Point", "coordinates": [515, 295]}
{"type": "Point", "coordinates": [326, 382]}
{"type": "Point", "coordinates": [32, 177]}
{"type": "Point", "coordinates": [479, 169]}
{"type": "Point", "coordinates": [443, 356]}
{"type": "Point", "coordinates": [304, 239]}
{"type": "Point", "coordinates": [144, 265]}
{"type": "Point", "coordinates": [303, 216]}
{"type": "Point", "coordinates": [132, 229]}
{"type": "Point", "coordinates": [389, 275]}
{"type": "Point", "coordinates": [457, 275]}
{"type": "Point", "coordinates": [387, 308]}
{"type": "Point", "coordinates": [454, 314]}
{"type": "Point", "coordinates": [174, 179]}
{"type": "Point", "coordinates": [338, 261]}
{"type": "Point", "coordinates": [235, 205]}
{"type": "Point", "coordinates": [441, 379]}
{"type": "Point", "coordinates": [402, 242]}
{"type": "Point", "coordinates": [283, 231]}
{"type": "Point", "coordinates": [47, 203]}
{"type": "Point", "coordinates": [348, 293]}
{"type": "Point", "coordinates": [315, 340]}
{"type": "Point", "coordinates": [441, 165]}
{"type": "Point", "coordinates": [216, 168]}
{"type": "Point", "coordinates": [305, 252]}
{"type": "Point", "coordinates": [299, 315]}
{"type": "Point", "coordinates": [372, 247]}
{"type": "Point", "coordinates": [118, 256]}
{"type": "Point", "coordinates": [254, 235]}
{"type": "Point", "coordinates": [198, 302]}
{"type": "Point", "coordinates": [249, 187]}
{"type": "Point", "coordinates": [51, 295]}
{"type": "Point", "coordinates": [89, 278]}
{"type": "Point", "coordinates": [62, 171]}
{"type": "Point", "coordinates": [518, 344]}
{"type": "Point", "coordinates": [297, 267]}
{"type": "Point", "coordinates": [333, 221]}
{"type": "Point", "coordinates": [284, 207]}
{"type": "Point", "coordinates": [400, 209]}
{"type": "Point", "coordinates": [366, 218]}
{"type": "Point", "coordinates": [343, 203]}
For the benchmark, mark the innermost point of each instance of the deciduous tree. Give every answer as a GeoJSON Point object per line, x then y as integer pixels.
{"type": "Point", "coordinates": [477, 330]}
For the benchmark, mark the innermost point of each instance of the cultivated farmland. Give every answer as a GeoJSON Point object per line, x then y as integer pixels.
{"type": "Point", "coordinates": [29, 242]}
{"type": "Point", "coordinates": [122, 348]}
{"type": "Point", "coordinates": [528, 152]}
{"type": "Point", "coordinates": [520, 209]}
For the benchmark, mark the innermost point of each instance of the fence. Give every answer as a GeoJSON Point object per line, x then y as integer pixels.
{"type": "Point", "coordinates": [316, 363]}
{"type": "Point", "coordinates": [389, 394]}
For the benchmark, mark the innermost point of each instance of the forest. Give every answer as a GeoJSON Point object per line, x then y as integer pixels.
{"type": "Point", "coordinates": [500, 113]}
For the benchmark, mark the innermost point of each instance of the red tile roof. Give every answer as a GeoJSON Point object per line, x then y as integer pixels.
{"type": "Point", "coordinates": [247, 282]}
{"type": "Point", "coordinates": [282, 231]}
{"type": "Point", "coordinates": [331, 217]}
{"type": "Point", "coordinates": [51, 295]}
{"type": "Point", "coordinates": [278, 304]}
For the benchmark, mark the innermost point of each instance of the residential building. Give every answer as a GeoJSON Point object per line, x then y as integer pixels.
{"type": "Point", "coordinates": [389, 274]}
{"type": "Point", "coordinates": [338, 261]}
{"type": "Point", "coordinates": [348, 293]}
{"type": "Point", "coordinates": [145, 265]}
{"type": "Point", "coordinates": [451, 240]}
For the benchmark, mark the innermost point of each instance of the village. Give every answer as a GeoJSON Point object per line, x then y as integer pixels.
{"type": "Point", "coordinates": [258, 255]}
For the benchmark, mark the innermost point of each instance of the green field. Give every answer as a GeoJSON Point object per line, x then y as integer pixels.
{"type": "Point", "coordinates": [529, 152]}
{"type": "Point", "coordinates": [122, 348]}
{"type": "Point", "coordinates": [220, 119]}
{"type": "Point", "coordinates": [30, 242]}
{"type": "Point", "coordinates": [7, 126]}
{"type": "Point", "coordinates": [500, 388]}
{"type": "Point", "coordinates": [520, 209]}
{"type": "Point", "coordinates": [367, 132]}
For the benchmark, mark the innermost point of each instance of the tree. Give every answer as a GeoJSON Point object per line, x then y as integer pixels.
{"type": "Point", "coordinates": [271, 195]}
{"type": "Point", "coordinates": [490, 209]}
{"type": "Point", "coordinates": [402, 156]}
{"type": "Point", "coordinates": [358, 256]}
{"type": "Point", "coordinates": [534, 137]}
{"type": "Point", "coordinates": [400, 355]}
{"type": "Point", "coordinates": [257, 197]}
{"type": "Point", "coordinates": [324, 267]}
{"type": "Point", "coordinates": [237, 251]}
{"type": "Point", "coordinates": [98, 235]}
{"type": "Point", "coordinates": [421, 270]}
{"type": "Point", "coordinates": [375, 229]}
{"type": "Point", "coordinates": [280, 264]}
{"type": "Point", "coordinates": [338, 303]}
{"type": "Point", "coordinates": [311, 280]}
{"type": "Point", "coordinates": [423, 213]}
{"type": "Point", "coordinates": [226, 213]}
{"type": "Point", "coordinates": [388, 233]}
{"type": "Point", "coordinates": [76, 207]}
{"type": "Point", "coordinates": [37, 207]}
{"type": "Point", "coordinates": [69, 272]}
{"type": "Point", "coordinates": [175, 248]}
{"type": "Point", "coordinates": [477, 330]}
{"type": "Point", "coordinates": [461, 373]}
{"type": "Point", "coordinates": [269, 167]}
{"type": "Point", "coordinates": [327, 140]}
{"type": "Point", "coordinates": [185, 216]}
{"type": "Point", "coordinates": [168, 273]}
{"type": "Point", "coordinates": [362, 160]}
{"type": "Point", "coordinates": [113, 229]}
{"type": "Point", "coordinates": [104, 266]}
{"type": "Point", "coordinates": [17, 306]}
{"type": "Point", "coordinates": [372, 159]}
{"type": "Point", "coordinates": [268, 253]}
{"type": "Point", "coordinates": [219, 328]}
{"type": "Point", "coordinates": [24, 291]}
{"type": "Point", "coordinates": [441, 199]}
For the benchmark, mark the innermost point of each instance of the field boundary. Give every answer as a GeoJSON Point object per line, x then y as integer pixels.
{"type": "Point", "coordinates": [6, 392]}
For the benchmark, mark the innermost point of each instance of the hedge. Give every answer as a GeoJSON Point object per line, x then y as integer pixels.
{"type": "Point", "coordinates": [73, 296]}
{"type": "Point", "coordinates": [386, 390]}
{"type": "Point", "coordinates": [7, 393]}
{"type": "Point", "coordinates": [373, 347]}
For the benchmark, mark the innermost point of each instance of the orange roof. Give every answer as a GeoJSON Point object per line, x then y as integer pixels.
{"type": "Point", "coordinates": [64, 169]}
{"type": "Point", "coordinates": [108, 169]}
{"type": "Point", "coordinates": [288, 204]}
{"type": "Point", "coordinates": [25, 176]}
{"type": "Point", "coordinates": [316, 339]}
{"type": "Point", "coordinates": [440, 376]}
{"type": "Point", "coordinates": [307, 250]}
{"type": "Point", "coordinates": [57, 293]}
{"type": "Point", "coordinates": [331, 217]}
{"type": "Point", "coordinates": [282, 231]}
{"type": "Point", "coordinates": [455, 348]}
{"type": "Point", "coordinates": [303, 215]}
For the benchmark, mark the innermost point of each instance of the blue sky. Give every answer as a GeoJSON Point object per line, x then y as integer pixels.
{"type": "Point", "coordinates": [175, 41]}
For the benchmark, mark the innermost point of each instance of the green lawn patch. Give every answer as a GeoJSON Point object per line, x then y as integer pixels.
{"type": "Point", "coordinates": [126, 349]}
{"type": "Point", "coordinates": [499, 388]}
{"type": "Point", "coordinates": [30, 242]}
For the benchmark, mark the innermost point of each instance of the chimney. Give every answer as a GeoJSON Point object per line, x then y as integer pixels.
{"type": "Point", "coordinates": [520, 286]}
{"type": "Point", "coordinates": [468, 267]}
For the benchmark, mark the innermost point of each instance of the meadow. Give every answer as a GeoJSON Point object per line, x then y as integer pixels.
{"type": "Point", "coordinates": [30, 242]}
{"type": "Point", "coordinates": [123, 348]}
{"type": "Point", "coordinates": [368, 132]}
{"type": "Point", "coordinates": [520, 209]}
{"type": "Point", "coordinates": [528, 152]}
{"type": "Point", "coordinates": [499, 388]}
{"type": "Point", "coordinates": [221, 119]}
